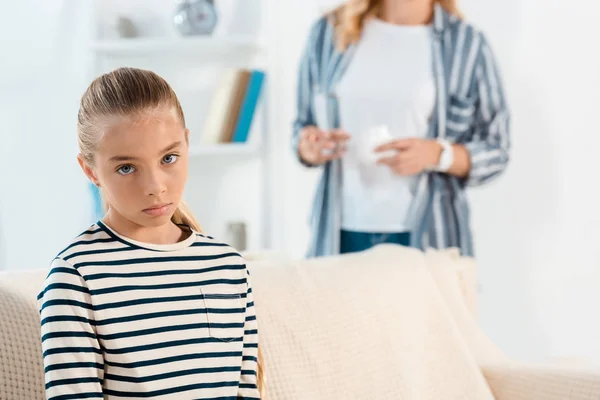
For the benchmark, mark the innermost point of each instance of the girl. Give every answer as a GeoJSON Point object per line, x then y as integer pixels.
{"type": "Point", "coordinates": [142, 304]}
{"type": "Point", "coordinates": [418, 92]}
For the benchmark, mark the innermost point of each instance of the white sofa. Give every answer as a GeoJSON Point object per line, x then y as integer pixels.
{"type": "Point", "coordinates": [388, 323]}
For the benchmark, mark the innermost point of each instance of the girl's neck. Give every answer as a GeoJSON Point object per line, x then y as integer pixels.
{"type": "Point", "coordinates": [406, 12]}
{"type": "Point", "coordinates": [166, 234]}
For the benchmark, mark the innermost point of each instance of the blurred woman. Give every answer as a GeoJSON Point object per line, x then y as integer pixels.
{"type": "Point", "coordinates": [401, 104]}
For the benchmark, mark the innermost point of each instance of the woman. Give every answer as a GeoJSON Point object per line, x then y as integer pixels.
{"type": "Point", "coordinates": [402, 103]}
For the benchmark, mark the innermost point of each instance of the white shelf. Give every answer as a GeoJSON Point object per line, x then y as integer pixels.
{"type": "Point", "coordinates": [191, 46]}
{"type": "Point", "coordinates": [223, 149]}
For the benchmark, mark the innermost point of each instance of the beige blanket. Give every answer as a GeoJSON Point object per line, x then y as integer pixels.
{"type": "Point", "coordinates": [388, 323]}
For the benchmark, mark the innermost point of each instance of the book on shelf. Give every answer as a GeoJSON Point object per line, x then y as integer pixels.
{"type": "Point", "coordinates": [233, 107]}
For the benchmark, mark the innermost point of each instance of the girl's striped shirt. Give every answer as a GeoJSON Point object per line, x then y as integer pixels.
{"type": "Point", "coordinates": [122, 319]}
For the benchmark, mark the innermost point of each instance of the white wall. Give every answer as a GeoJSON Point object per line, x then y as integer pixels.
{"type": "Point", "coordinates": [537, 229]}
{"type": "Point", "coordinates": [290, 22]}
{"type": "Point", "coordinates": [42, 196]}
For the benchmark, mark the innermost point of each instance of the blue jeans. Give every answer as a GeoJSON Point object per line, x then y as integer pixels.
{"type": "Point", "coordinates": [351, 241]}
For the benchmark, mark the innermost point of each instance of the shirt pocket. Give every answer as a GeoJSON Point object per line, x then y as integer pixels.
{"type": "Point", "coordinates": [225, 314]}
{"type": "Point", "coordinates": [461, 117]}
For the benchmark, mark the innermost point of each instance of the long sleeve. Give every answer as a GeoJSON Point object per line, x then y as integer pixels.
{"type": "Point", "coordinates": [490, 145]}
{"type": "Point", "coordinates": [73, 362]}
{"type": "Point", "coordinates": [248, 382]}
{"type": "Point", "coordinates": [306, 82]}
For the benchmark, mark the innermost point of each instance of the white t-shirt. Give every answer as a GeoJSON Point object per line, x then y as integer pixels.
{"type": "Point", "coordinates": [387, 93]}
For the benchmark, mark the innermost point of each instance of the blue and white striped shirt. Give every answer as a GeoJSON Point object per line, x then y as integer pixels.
{"type": "Point", "coordinates": [123, 319]}
{"type": "Point", "coordinates": [470, 110]}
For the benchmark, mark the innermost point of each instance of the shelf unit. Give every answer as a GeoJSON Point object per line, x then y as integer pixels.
{"type": "Point", "coordinates": [233, 50]}
{"type": "Point", "coordinates": [217, 51]}
{"type": "Point", "coordinates": [206, 46]}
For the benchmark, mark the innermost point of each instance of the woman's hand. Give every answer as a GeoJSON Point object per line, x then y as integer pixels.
{"type": "Point", "coordinates": [317, 147]}
{"type": "Point", "coordinates": [412, 156]}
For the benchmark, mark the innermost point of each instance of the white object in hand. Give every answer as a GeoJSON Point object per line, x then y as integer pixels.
{"type": "Point", "coordinates": [372, 139]}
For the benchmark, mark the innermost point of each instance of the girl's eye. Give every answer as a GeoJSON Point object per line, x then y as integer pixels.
{"type": "Point", "coordinates": [126, 169]}
{"type": "Point", "coordinates": [170, 159]}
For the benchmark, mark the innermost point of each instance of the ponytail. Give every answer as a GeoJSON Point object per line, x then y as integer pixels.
{"type": "Point", "coordinates": [261, 381]}
{"type": "Point", "coordinates": [183, 216]}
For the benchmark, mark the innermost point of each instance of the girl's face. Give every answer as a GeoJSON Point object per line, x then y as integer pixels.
{"type": "Point", "coordinates": [142, 167]}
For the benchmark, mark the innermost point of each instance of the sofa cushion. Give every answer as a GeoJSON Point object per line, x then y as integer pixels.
{"type": "Point", "coordinates": [368, 325]}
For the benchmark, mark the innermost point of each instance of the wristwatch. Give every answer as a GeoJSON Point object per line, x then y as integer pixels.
{"type": "Point", "coordinates": [446, 158]}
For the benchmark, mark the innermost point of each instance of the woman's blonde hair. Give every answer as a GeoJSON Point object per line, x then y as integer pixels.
{"type": "Point", "coordinates": [126, 92]}
{"type": "Point", "coordinates": [349, 18]}
{"type": "Point", "coordinates": [129, 92]}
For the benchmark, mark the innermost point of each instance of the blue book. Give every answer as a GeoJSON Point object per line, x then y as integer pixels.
{"type": "Point", "coordinates": [248, 108]}
{"type": "Point", "coordinates": [98, 210]}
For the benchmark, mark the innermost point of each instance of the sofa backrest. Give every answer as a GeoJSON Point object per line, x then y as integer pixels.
{"type": "Point", "coordinates": [21, 369]}
{"type": "Point", "coordinates": [369, 325]}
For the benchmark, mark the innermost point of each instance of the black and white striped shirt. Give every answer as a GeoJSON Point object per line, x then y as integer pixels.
{"type": "Point", "coordinates": [124, 319]}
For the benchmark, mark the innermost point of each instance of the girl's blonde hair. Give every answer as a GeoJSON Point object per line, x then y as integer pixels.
{"type": "Point", "coordinates": [349, 18]}
{"type": "Point", "coordinates": [129, 92]}
{"type": "Point", "coordinates": [126, 92]}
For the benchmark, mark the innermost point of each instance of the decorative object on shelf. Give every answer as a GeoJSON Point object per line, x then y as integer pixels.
{"type": "Point", "coordinates": [236, 236]}
{"type": "Point", "coordinates": [126, 28]}
{"type": "Point", "coordinates": [195, 17]}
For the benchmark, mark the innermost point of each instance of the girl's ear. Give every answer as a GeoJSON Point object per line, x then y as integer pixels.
{"type": "Point", "coordinates": [187, 136]}
{"type": "Point", "coordinates": [87, 170]}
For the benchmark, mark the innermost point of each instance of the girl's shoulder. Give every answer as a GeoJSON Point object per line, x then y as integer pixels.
{"type": "Point", "coordinates": [92, 236]}
{"type": "Point", "coordinates": [63, 274]}
{"type": "Point", "coordinates": [207, 244]}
